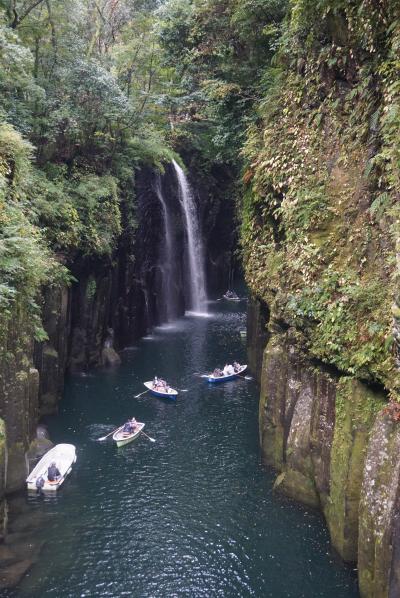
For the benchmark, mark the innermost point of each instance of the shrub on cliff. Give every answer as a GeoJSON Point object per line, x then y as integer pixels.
{"type": "Point", "coordinates": [321, 208]}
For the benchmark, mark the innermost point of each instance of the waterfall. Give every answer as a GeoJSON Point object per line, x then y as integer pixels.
{"type": "Point", "coordinates": [194, 244]}
{"type": "Point", "coordinates": [167, 258]}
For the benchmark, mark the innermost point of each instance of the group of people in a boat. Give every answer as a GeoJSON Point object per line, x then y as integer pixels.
{"type": "Point", "coordinates": [231, 295]}
{"type": "Point", "coordinates": [229, 370]}
{"type": "Point", "coordinates": [160, 385]}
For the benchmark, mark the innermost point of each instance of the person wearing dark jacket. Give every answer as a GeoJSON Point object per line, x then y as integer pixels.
{"type": "Point", "coordinates": [53, 472]}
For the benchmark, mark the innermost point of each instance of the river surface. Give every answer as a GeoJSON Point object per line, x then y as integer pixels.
{"type": "Point", "coordinates": [192, 515]}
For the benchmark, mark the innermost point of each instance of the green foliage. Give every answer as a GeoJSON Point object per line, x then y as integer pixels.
{"type": "Point", "coordinates": [25, 262]}
{"type": "Point", "coordinates": [320, 218]}
{"type": "Point", "coordinates": [219, 50]}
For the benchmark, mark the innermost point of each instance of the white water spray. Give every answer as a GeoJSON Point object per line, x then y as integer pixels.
{"type": "Point", "coordinates": [194, 244]}
{"type": "Point", "coordinates": [167, 264]}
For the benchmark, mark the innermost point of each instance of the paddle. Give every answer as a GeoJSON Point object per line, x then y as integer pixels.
{"type": "Point", "coordinates": [142, 393]}
{"type": "Point", "coordinates": [144, 434]}
{"type": "Point", "coordinates": [113, 432]}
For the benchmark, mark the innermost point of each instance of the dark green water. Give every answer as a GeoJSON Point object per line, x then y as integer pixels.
{"type": "Point", "coordinates": [191, 515]}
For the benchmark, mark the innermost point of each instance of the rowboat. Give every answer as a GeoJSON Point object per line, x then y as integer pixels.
{"type": "Point", "coordinates": [64, 456]}
{"type": "Point", "coordinates": [224, 378]}
{"type": "Point", "coordinates": [231, 298]}
{"type": "Point", "coordinates": [171, 393]}
{"type": "Point", "coordinates": [122, 438]}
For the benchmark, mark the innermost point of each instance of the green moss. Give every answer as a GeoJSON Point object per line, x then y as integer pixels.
{"type": "Point", "coordinates": [298, 486]}
{"type": "Point", "coordinates": [316, 199]}
{"type": "Point", "coordinates": [356, 409]}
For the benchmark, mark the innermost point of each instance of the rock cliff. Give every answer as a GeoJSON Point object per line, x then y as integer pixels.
{"type": "Point", "coordinates": [320, 238]}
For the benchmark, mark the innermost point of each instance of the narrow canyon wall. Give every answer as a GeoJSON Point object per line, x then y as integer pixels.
{"type": "Point", "coordinates": [335, 446]}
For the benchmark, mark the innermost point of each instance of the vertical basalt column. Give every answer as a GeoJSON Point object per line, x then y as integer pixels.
{"type": "Point", "coordinates": [379, 535]}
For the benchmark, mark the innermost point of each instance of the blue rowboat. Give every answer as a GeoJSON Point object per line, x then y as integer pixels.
{"type": "Point", "coordinates": [217, 379]}
{"type": "Point", "coordinates": [171, 393]}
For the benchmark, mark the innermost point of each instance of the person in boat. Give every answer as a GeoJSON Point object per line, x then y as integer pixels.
{"type": "Point", "coordinates": [129, 426]}
{"type": "Point", "coordinates": [161, 385]}
{"type": "Point", "coordinates": [155, 382]}
{"type": "Point", "coordinates": [39, 484]}
{"type": "Point", "coordinates": [228, 370]}
{"type": "Point", "coordinates": [236, 366]}
{"type": "Point", "coordinates": [231, 295]}
{"type": "Point", "coordinates": [217, 373]}
{"type": "Point", "coordinates": [53, 473]}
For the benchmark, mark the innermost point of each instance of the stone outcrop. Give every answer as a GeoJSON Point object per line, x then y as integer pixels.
{"type": "Point", "coordinates": [335, 446]}
{"type": "Point", "coordinates": [257, 333]}
{"type": "Point", "coordinates": [379, 538]}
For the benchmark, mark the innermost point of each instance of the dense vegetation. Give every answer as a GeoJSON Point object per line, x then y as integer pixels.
{"type": "Point", "coordinates": [79, 88]}
{"type": "Point", "coordinates": [92, 90]}
{"type": "Point", "coordinates": [321, 212]}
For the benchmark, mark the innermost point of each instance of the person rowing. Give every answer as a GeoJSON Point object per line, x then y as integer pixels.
{"type": "Point", "coordinates": [236, 366]}
{"type": "Point", "coordinates": [130, 426]}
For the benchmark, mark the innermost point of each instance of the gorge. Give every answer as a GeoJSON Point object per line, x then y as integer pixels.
{"type": "Point", "coordinates": [147, 152]}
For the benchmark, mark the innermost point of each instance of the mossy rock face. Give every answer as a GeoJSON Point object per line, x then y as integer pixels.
{"type": "Point", "coordinates": [296, 420]}
{"type": "Point", "coordinates": [322, 430]}
{"type": "Point", "coordinates": [273, 403]}
{"type": "Point", "coordinates": [356, 409]}
{"type": "Point", "coordinates": [379, 534]}
{"type": "Point", "coordinates": [298, 486]}
{"type": "Point", "coordinates": [3, 458]}
{"type": "Point", "coordinates": [257, 333]}
{"type": "Point", "coordinates": [16, 467]}
{"type": "Point", "coordinates": [299, 480]}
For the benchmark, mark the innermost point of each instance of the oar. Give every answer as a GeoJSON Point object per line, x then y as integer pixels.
{"type": "Point", "coordinates": [182, 389]}
{"type": "Point", "coordinates": [245, 377]}
{"type": "Point", "coordinates": [113, 432]}
{"type": "Point", "coordinates": [144, 434]}
{"type": "Point", "coordinates": [142, 393]}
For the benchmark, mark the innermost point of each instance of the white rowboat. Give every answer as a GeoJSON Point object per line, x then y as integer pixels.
{"type": "Point", "coordinates": [122, 438]}
{"type": "Point", "coordinates": [235, 298]}
{"type": "Point", "coordinates": [64, 456]}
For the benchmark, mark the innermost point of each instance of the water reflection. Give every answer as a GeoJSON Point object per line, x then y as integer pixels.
{"type": "Point", "coordinates": [192, 514]}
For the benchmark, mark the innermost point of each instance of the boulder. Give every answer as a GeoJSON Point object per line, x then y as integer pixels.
{"type": "Point", "coordinates": [109, 357]}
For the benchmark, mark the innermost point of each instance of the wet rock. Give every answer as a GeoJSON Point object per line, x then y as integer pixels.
{"type": "Point", "coordinates": [356, 409]}
{"type": "Point", "coordinates": [11, 575]}
{"type": "Point", "coordinates": [6, 554]}
{"type": "Point", "coordinates": [51, 356]}
{"type": "Point", "coordinates": [299, 480]}
{"type": "Point", "coordinates": [110, 357]}
{"type": "Point", "coordinates": [314, 429]}
{"type": "Point", "coordinates": [273, 403]}
{"type": "Point", "coordinates": [257, 333]}
{"type": "Point", "coordinates": [379, 535]}
{"type": "Point", "coordinates": [42, 431]}
{"type": "Point", "coordinates": [37, 448]}
{"type": "Point", "coordinates": [25, 522]}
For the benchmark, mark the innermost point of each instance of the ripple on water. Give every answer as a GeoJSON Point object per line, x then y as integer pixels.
{"type": "Point", "coordinates": [192, 514]}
